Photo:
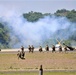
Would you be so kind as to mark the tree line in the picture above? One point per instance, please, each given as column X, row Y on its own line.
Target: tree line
column 35, row 16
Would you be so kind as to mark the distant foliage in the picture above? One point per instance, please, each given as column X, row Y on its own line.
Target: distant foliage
column 62, row 11
column 4, row 36
column 71, row 15
column 34, row 16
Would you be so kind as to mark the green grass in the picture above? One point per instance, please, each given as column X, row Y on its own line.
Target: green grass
column 60, row 73
column 37, row 73
column 26, row 73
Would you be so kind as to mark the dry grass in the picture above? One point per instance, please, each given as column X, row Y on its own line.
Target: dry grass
column 9, row 61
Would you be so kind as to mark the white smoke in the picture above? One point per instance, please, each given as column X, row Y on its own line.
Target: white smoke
column 34, row 33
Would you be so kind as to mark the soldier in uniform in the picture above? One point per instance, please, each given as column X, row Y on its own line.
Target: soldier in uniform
column 53, row 48
column 60, row 49
column 40, row 49
column 65, row 49
column 22, row 48
column 32, row 48
column 22, row 52
column 47, row 48
column 29, row 48
column 19, row 54
column 41, row 70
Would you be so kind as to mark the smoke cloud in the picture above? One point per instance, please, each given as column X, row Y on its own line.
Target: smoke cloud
column 35, row 33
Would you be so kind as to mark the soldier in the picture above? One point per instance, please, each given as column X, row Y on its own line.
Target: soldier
column 60, row 49
column 47, row 48
column 53, row 48
column 22, row 52
column 19, row 54
column 29, row 48
column 22, row 48
column 40, row 49
column 32, row 48
column 65, row 49
column 41, row 70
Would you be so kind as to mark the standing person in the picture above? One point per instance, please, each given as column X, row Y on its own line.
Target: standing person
column 40, row 49
column 32, row 48
column 65, row 49
column 41, row 70
column 22, row 48
column 47, row 48
column 22, row 52
column 53, row 48
column 60, row 49
column 29, row 48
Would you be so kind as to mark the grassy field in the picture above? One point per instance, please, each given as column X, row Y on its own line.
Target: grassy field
column 61, row 63
column 37, row 73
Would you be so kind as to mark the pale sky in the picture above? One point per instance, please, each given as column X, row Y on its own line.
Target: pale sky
column 44, row 6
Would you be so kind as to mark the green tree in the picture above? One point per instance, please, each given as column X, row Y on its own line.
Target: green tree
column 62, row 12
column 4, row 36
column 33, row 16
column 72, row 16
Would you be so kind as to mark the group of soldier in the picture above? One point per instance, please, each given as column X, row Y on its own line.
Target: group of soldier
column 31, row 48
column 46, row 48
column 60, row 48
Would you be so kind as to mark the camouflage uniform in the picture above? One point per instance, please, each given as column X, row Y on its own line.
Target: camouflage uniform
column 29, row 48
column 53, row 48
column 60, row 49
column 19, row 54
column 65, row 48
column 22, row 48
column 47, row 48
column 32, row 48
column 41, row 70
column 40, row 49
column 22, row 52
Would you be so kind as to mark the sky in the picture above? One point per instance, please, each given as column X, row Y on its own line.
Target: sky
column 44, row 6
